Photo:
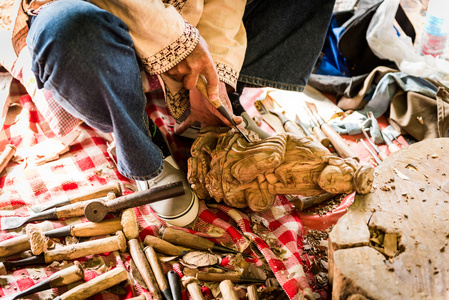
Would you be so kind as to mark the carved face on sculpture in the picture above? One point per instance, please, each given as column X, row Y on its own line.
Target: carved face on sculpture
column 336, row 180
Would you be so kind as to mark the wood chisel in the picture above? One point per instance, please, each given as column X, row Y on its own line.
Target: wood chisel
column 202, row 87
column 288, row 124
column 379, row 152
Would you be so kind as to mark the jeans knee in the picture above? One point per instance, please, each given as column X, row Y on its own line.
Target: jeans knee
column 70, row 27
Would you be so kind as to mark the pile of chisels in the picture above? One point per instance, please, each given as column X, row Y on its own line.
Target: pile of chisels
column 118, row 233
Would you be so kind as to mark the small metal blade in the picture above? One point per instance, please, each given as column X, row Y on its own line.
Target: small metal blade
column 8, row 223
column 228, row 117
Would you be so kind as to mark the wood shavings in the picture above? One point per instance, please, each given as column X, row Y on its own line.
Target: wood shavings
column 326, row 206
column 71, row 240
column 420, row 120
column 196, row 259
column 400, row 174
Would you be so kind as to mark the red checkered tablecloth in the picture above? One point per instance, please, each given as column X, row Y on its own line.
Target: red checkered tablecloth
column 87, row 164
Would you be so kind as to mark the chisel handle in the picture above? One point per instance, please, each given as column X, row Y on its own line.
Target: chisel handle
column 337, row 142
column 321, row 137
column 162, row 246
column 186, row 239
column 96, row 285
column 202, row 87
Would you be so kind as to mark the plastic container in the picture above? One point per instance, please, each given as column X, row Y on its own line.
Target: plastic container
column 435, row 34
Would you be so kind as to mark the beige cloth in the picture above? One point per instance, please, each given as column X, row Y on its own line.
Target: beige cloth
column 420, row 116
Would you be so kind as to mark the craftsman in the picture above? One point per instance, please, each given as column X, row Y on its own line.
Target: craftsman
column 90, row 53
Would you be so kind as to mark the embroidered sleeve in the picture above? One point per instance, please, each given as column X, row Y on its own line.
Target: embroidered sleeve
column 227, row 74
column 174, row 53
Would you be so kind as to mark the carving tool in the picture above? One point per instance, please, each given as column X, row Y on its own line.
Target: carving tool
column 95, row 285
column 96, row 210
column 174, row 281
column 305, row 129
column 218, row 277
column 22, row 243
column 319, row 134
column 337, row 141
column 67, row 211
column 251, row 125
column 251, row 292
column 90, row 194
column 227, row 290
column 143, row 266
column 379, row 152
column 288, row 125
column 189, row 240
column 70, row 252
column 378, row 161
column 158, row 273
column 202, row 87
column 391, row 146
column 303, row 203
column 63, row 277
column 191, row 284
column 169, row 249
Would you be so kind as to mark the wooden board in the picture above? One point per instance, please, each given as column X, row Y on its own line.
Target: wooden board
column 393, row 242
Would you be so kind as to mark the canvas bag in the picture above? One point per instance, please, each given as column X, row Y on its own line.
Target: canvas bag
column 420, row 116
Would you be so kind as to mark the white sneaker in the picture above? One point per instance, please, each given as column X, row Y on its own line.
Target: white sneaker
column 179, row 211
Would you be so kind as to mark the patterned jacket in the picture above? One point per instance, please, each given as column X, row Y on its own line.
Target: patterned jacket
column 165, row 32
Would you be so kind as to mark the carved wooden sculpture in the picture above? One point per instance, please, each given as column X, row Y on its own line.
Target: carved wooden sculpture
column 225, row 167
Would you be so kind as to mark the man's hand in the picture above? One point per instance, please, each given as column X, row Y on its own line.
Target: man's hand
column 205, row 113
column 198, row 62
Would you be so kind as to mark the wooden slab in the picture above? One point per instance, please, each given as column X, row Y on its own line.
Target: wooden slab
column 393, row 242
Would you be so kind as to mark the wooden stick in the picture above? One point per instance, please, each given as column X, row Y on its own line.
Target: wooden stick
column 252, row 293
column 162, row 246
column 129, row 224
column 6, row 156
column 67, row 275
column 191, row 284
column 157, row 270
column 22, row 243
column 142, row 265
column 109, row 244
column 227, row 290
column 211, row 276
column 96, row 285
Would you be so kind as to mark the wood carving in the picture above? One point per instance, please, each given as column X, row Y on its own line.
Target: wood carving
column 393, row 242
column 225, row 167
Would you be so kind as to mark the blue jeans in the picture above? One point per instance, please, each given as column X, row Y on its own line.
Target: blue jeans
column 284, row 41
column 85, row 56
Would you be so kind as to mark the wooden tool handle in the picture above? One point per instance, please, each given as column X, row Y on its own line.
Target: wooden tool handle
column 6, row 156
column 143, row 266
column 227, row 290
column 252, row 293
column 291, row 127
column 96, row 285
column 321, row 137
column 72, row 210
column 14, row 245
column 97, row 192
column 156, row 267
column 338, row 143
column 162, row 246
column 193, row 287
column 93, row 229
column 186, row 239
column 211, row 276
column 67, row 275
column 202, row 87
column 109, row 244
column 393, row 147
